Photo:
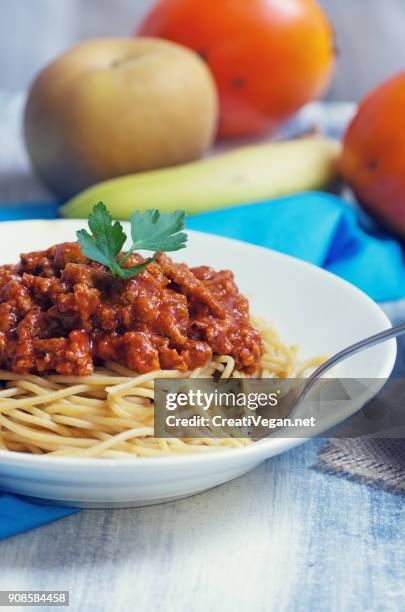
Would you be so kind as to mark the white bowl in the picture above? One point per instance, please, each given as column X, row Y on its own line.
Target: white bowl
column 309, row 306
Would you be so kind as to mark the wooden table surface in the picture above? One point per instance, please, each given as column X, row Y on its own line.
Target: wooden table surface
column 282, row 538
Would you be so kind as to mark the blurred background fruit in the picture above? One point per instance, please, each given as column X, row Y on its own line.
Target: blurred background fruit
column 373, row 160
column 245, row 174
column 268, row 57
column 110, row 107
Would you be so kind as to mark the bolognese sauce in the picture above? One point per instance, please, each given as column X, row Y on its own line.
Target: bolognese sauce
column 61, row 312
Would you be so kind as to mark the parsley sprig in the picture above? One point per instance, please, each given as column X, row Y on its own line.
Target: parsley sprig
column 150, row 230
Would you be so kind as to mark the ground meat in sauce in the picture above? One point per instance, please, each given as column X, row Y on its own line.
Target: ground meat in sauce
column 60, row 312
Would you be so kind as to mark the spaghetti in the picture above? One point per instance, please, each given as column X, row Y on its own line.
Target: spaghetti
column 110, row 413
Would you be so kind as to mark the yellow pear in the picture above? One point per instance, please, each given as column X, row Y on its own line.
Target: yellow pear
column 111, row 107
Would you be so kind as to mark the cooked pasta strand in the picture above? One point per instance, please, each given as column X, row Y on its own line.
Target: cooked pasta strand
column 111, row 413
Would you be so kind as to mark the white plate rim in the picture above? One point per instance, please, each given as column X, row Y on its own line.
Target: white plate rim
column 257, row 451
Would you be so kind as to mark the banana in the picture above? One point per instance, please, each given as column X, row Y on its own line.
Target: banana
column 246, row 174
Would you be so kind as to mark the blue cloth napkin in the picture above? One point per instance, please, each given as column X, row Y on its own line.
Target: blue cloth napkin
column 28, row 210
column 323, row 230
column 317, row 227
column 18, row 514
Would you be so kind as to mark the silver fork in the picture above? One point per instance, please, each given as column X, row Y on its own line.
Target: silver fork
column 392, row 332
column 293, row 399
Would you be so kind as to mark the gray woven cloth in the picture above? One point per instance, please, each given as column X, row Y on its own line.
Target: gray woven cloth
column 373, row 461
column 380, row 463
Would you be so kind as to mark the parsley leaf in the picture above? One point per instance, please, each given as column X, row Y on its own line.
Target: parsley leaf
column 150, row 230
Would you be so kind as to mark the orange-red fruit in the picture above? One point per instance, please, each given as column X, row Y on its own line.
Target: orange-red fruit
column 268, row 57
column 373, row 160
